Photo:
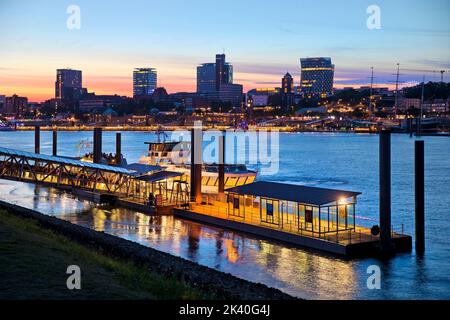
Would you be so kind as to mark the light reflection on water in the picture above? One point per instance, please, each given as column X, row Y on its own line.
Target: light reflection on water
column 295, row 271
column 344, row 161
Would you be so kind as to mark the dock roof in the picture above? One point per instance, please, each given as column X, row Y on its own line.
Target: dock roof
column 142, row 168
column 63, row 160
column 158, row 176
column 291, row 192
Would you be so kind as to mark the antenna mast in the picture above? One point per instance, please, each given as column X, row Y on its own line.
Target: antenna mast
column 371, row 88
column 396, row 88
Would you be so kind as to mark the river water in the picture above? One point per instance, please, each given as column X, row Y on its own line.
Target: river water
column 335, row 160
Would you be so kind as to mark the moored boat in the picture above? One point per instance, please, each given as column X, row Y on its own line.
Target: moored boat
column 174, row 156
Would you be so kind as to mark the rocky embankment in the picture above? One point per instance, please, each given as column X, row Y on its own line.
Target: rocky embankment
column 222, row 285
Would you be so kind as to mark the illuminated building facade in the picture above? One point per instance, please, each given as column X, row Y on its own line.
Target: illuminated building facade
column 68, row 84
column 264, row 91
column 144, row 81
column 287, row 84
column 259, row 97
column 316, row 77
column 287, row 93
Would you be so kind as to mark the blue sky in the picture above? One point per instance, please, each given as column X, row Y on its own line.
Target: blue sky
column 263, row 39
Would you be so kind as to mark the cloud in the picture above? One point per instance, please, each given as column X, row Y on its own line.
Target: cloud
column 423, row 32
column 268, row 69
column 9, row 69
column 268, row 82
column 438, row 64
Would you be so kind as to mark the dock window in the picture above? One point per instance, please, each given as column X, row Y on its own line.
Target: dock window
column 309, row 215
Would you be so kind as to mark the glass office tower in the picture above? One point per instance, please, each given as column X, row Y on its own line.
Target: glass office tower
column 210, row 76
column 316, row 77
column 206, row 77
column 68, row 83
column 144, row 81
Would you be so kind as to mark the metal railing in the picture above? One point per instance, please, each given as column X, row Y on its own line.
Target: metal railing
column 342, row 236
column 397, row 230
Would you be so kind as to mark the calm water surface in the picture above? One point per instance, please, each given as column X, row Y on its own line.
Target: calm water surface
column 346, row 161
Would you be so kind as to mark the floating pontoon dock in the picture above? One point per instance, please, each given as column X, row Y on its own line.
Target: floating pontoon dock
column 317, row 218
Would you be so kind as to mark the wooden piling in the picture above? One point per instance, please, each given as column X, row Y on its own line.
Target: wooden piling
column 37, row 139
column 118, row 159
column 420, row 195
column 385, row 190
column 55, row 143
column 97, row 145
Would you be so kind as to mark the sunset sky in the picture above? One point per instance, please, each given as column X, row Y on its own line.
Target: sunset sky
column 262, row 39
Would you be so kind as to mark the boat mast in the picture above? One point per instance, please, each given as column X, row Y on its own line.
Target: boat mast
column 371, row 88
column 421, row 107
column 396, row 88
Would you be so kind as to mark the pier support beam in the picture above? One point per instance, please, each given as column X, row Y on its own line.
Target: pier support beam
column 97, row 145
column 196, row 164
column 118, row 148
column 420, row 195
column 385, row 190
column 55, row 143
column 37, row 139
column 221, row 169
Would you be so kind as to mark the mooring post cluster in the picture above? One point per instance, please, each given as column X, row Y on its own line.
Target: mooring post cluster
column 385, row 200
column 385, row 194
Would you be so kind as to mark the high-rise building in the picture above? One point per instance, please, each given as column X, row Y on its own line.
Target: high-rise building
column 316, row 77
column 210, row 76
column 206, row 78
column 15, row 105
column 144, row 81
column 287, row 93
column 68, row 85
column 224, row 71
column 2, row 103
column 287, row 84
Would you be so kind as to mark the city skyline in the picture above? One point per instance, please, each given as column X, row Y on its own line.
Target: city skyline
column 262, row 46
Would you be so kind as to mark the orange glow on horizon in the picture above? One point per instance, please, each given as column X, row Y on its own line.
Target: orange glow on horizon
column 41, row 88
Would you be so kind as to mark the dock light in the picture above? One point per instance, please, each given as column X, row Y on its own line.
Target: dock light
column 342, row 201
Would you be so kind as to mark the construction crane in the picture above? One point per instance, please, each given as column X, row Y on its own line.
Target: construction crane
column 429, row 71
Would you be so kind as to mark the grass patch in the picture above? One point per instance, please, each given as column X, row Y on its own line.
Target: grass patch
column 34, row 260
